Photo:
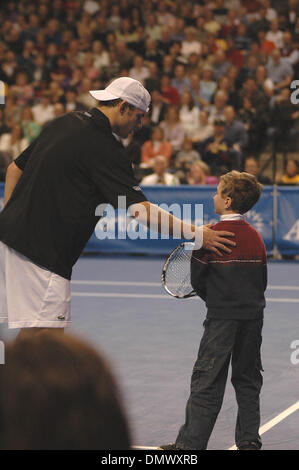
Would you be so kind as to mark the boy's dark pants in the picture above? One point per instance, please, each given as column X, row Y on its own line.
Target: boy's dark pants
column 240, row 341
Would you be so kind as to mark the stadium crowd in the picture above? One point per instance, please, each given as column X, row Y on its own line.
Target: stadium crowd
column 219, row 73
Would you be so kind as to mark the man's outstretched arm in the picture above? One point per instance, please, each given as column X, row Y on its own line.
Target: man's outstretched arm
column 152, row 216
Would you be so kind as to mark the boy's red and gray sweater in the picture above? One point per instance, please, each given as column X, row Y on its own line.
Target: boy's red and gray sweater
column 232, row 285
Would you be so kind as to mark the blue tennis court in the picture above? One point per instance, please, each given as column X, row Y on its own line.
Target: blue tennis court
column 151, row 340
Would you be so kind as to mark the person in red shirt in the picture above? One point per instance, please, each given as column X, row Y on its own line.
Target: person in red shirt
column 169, row 93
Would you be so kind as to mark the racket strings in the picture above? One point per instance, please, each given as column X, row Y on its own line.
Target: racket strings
column 178, row 274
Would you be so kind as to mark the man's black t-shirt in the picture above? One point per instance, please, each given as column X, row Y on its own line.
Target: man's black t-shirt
column 73, row 166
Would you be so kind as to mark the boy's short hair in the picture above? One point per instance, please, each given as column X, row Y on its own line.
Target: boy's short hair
column 242, row 188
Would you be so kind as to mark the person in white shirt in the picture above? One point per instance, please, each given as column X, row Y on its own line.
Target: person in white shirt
column 139, row 71
column 275, row 35
column 271, row 13
column 204, row 129
column 13, row 143
column 101, row 56
column 190, row 44
column 43, row 111
column 160, row 175
column 188, row 113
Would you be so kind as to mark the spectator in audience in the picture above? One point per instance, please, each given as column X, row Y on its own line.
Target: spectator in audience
column 188, row 113
column 151, row 54
column 279, row 71
column 14, row 143
column 57, row 392
column 266, row 46
column 9, row 67
column 158, row 108
column 101, row 56
column 173, row 129
column 40, row 72
column 217, row 109
column 252, row 167
column 220, row 65
column 291, row 175
column 215, row 149
column 195, row 91
column 204, row 130
column 12, row 112
column 185, row 158
column 261, row 23
column 160, row 175
column 263, row 82
column 283, row 116
column 233, row 55
column 169, row 93
column 153, row 28
column 22, row 90
column 125, row 32
column 190, row 44
column 289, row 50
column 275, row 35
column 123, row 55
column 70, row 100
column 168, row 65
column 157, row 145
column 207, row 85
column 165, row 41
column 255, row 126
column 242, row 40
column 43, row 111
column 236, row 137
column 152, row 82
column 180, row 81
column 200, row 174
column 59, row 110
column 139, row 71
column 211, row 26
column 84, row 98
column 257, row 96
column 31, row 129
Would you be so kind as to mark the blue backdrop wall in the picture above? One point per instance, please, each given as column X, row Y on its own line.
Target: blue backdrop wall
column 282, row 230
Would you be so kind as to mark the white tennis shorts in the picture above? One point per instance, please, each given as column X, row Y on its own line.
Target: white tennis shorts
column 31, row 296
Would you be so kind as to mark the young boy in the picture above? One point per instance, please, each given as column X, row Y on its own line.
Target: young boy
column 233, row 288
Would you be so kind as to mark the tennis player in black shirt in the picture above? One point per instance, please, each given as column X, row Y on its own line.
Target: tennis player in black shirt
column 51, row 194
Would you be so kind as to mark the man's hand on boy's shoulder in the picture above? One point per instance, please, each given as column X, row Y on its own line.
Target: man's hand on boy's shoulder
column 216, row 240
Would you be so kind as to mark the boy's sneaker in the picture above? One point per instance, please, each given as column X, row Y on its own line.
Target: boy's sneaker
column 170, row 446
column 250, row 446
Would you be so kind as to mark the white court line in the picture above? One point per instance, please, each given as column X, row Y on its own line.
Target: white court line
column 117, row 283
column 283, row 287
column 120, row 296
column 155, row 296
column 155, row 284
column 284, row 414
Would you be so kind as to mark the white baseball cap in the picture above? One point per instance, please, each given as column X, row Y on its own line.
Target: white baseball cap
column 127, row 89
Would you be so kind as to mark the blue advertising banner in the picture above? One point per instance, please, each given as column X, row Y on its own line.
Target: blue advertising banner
column 287, row 231
column 184, row 201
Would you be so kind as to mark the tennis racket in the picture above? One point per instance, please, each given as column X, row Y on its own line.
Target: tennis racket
column 176, row 272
